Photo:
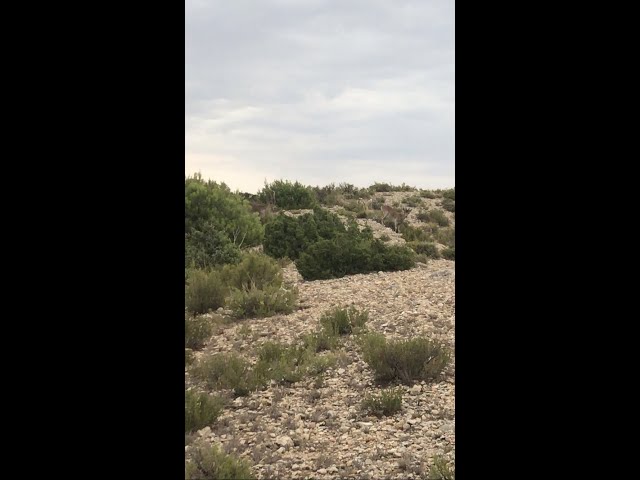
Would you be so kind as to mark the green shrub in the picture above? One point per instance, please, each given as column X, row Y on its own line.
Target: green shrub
column 380, row 187
column 448, row 204
column 446, row 236
column 440, row 470
column 287, row 195
column 326, row 258
column 413, row 200
column 289, row 237
column 212, row 205
column 425, row 248
column 414, row 234
column 391, row 258
column 285, row 237
column 404, row 360
column 200, row 410
column 320, row 341
column 384, row 237
column 209, row 247
column 342, row 321
column 449, row 253
column 204, row 291
column 385, row 404
column 209, row 463
column 427, row 194
column 281, row 363
column 327, row 195
column 253, row 302
column 352, row 253
column 255, row 270
column 225, row 371
column 197, row 330
column 449, row 194
column 317, row 364
column 423, row 216
column 433, row 216
column 386, row 187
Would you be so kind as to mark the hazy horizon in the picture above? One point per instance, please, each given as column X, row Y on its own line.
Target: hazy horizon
column 320, row 92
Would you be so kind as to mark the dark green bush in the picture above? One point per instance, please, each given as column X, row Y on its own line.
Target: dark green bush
column 404, row 360
column 414, row 234
column 384, row 237
column 449, row 253
column 351, row 253
column 287, row 195
column 200, row 410
column 197, row 330
column 391, row 258
column 285, row 237
column 209, row 463
column 209, row 247
column 342, row 321
column 449, row 194
column 208, row 203
column 387, row 403
column 425, row 248
column 427, row 194
column 386, row 187
column 288, row 237
column 204, row 291
column 448, row 204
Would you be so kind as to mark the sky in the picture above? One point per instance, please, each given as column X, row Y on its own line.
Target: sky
column 320, row 91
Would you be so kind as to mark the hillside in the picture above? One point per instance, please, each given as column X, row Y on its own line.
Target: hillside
column 309, row 419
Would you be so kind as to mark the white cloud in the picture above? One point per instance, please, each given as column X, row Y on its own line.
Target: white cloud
column 320, row 91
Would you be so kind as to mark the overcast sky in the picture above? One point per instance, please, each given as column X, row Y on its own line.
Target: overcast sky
column 320, row 91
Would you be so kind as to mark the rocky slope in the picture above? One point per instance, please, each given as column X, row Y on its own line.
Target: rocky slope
column 316, row 429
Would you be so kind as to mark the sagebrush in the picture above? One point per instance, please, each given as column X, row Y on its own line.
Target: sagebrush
column 209, row 463
column 406, row 361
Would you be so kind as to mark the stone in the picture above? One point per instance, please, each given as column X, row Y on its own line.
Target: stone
column 284, row 441
column 447, row 427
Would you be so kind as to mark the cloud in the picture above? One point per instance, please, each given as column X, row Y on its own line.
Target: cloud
column 320, row 91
